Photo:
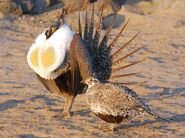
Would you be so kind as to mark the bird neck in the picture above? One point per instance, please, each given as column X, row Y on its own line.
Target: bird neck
column 90, row 87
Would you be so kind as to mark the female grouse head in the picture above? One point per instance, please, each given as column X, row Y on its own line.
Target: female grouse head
column 91, row 82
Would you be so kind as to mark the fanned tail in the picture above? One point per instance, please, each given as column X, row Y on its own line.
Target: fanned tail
column 103, row 60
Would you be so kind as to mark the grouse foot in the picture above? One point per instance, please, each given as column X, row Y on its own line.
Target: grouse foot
column 64, row 115
column 108, row 128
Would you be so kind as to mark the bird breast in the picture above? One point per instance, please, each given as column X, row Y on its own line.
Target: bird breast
column 94, row 99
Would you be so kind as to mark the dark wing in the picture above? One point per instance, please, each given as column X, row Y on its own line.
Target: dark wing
column 82, row 57
column 42, row 81
column 51, row 85
column 75, row 72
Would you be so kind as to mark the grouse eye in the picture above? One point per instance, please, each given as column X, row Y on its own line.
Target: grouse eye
column 48, row 33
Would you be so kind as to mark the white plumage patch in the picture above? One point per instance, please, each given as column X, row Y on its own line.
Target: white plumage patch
column 46, row 55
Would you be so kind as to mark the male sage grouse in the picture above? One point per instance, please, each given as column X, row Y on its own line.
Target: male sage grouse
column 115, row 103
column 53, row 57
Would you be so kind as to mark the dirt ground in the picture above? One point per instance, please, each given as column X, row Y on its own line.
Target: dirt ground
column 27, row 110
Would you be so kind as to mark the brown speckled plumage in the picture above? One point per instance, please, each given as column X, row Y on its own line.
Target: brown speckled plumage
column 115, row 103
column 115, row 100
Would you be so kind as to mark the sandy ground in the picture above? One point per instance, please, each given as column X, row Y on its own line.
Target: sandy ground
column 26, row 110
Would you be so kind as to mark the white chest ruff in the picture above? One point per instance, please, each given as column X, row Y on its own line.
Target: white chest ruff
column 47, row 55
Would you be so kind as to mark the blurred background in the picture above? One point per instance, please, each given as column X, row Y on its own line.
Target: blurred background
column 40, row 6
column 27, row 110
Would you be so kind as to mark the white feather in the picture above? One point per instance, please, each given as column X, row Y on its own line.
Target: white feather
column 41, row 38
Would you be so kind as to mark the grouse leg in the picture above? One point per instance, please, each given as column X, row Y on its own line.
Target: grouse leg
column 110, row 128
column 67, row 106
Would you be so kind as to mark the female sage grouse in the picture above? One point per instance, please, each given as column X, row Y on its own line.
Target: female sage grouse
column 114, row 103
column 53, row 57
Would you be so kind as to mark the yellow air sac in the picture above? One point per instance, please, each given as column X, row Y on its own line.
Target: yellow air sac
column 34, row 57
column 48, row 57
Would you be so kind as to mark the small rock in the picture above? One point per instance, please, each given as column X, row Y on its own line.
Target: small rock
column 26, row 5
column 41, row 22
column 180, row 23
column 34, row 6
column 39, row 6
column 50, row 2
column 23, row 17
column 32, row 18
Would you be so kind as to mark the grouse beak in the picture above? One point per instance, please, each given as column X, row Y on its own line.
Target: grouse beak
column 51, row 30
column 82, row 81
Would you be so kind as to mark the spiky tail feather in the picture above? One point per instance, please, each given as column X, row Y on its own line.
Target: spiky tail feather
column 126, row 56
column 112, row 44
column 126, row 66
column 116, row 53
column 124, row 75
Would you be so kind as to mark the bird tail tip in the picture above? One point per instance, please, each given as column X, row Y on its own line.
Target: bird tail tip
column 160, row 118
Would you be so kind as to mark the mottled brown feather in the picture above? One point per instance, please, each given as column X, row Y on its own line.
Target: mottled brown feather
column 83, row 57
